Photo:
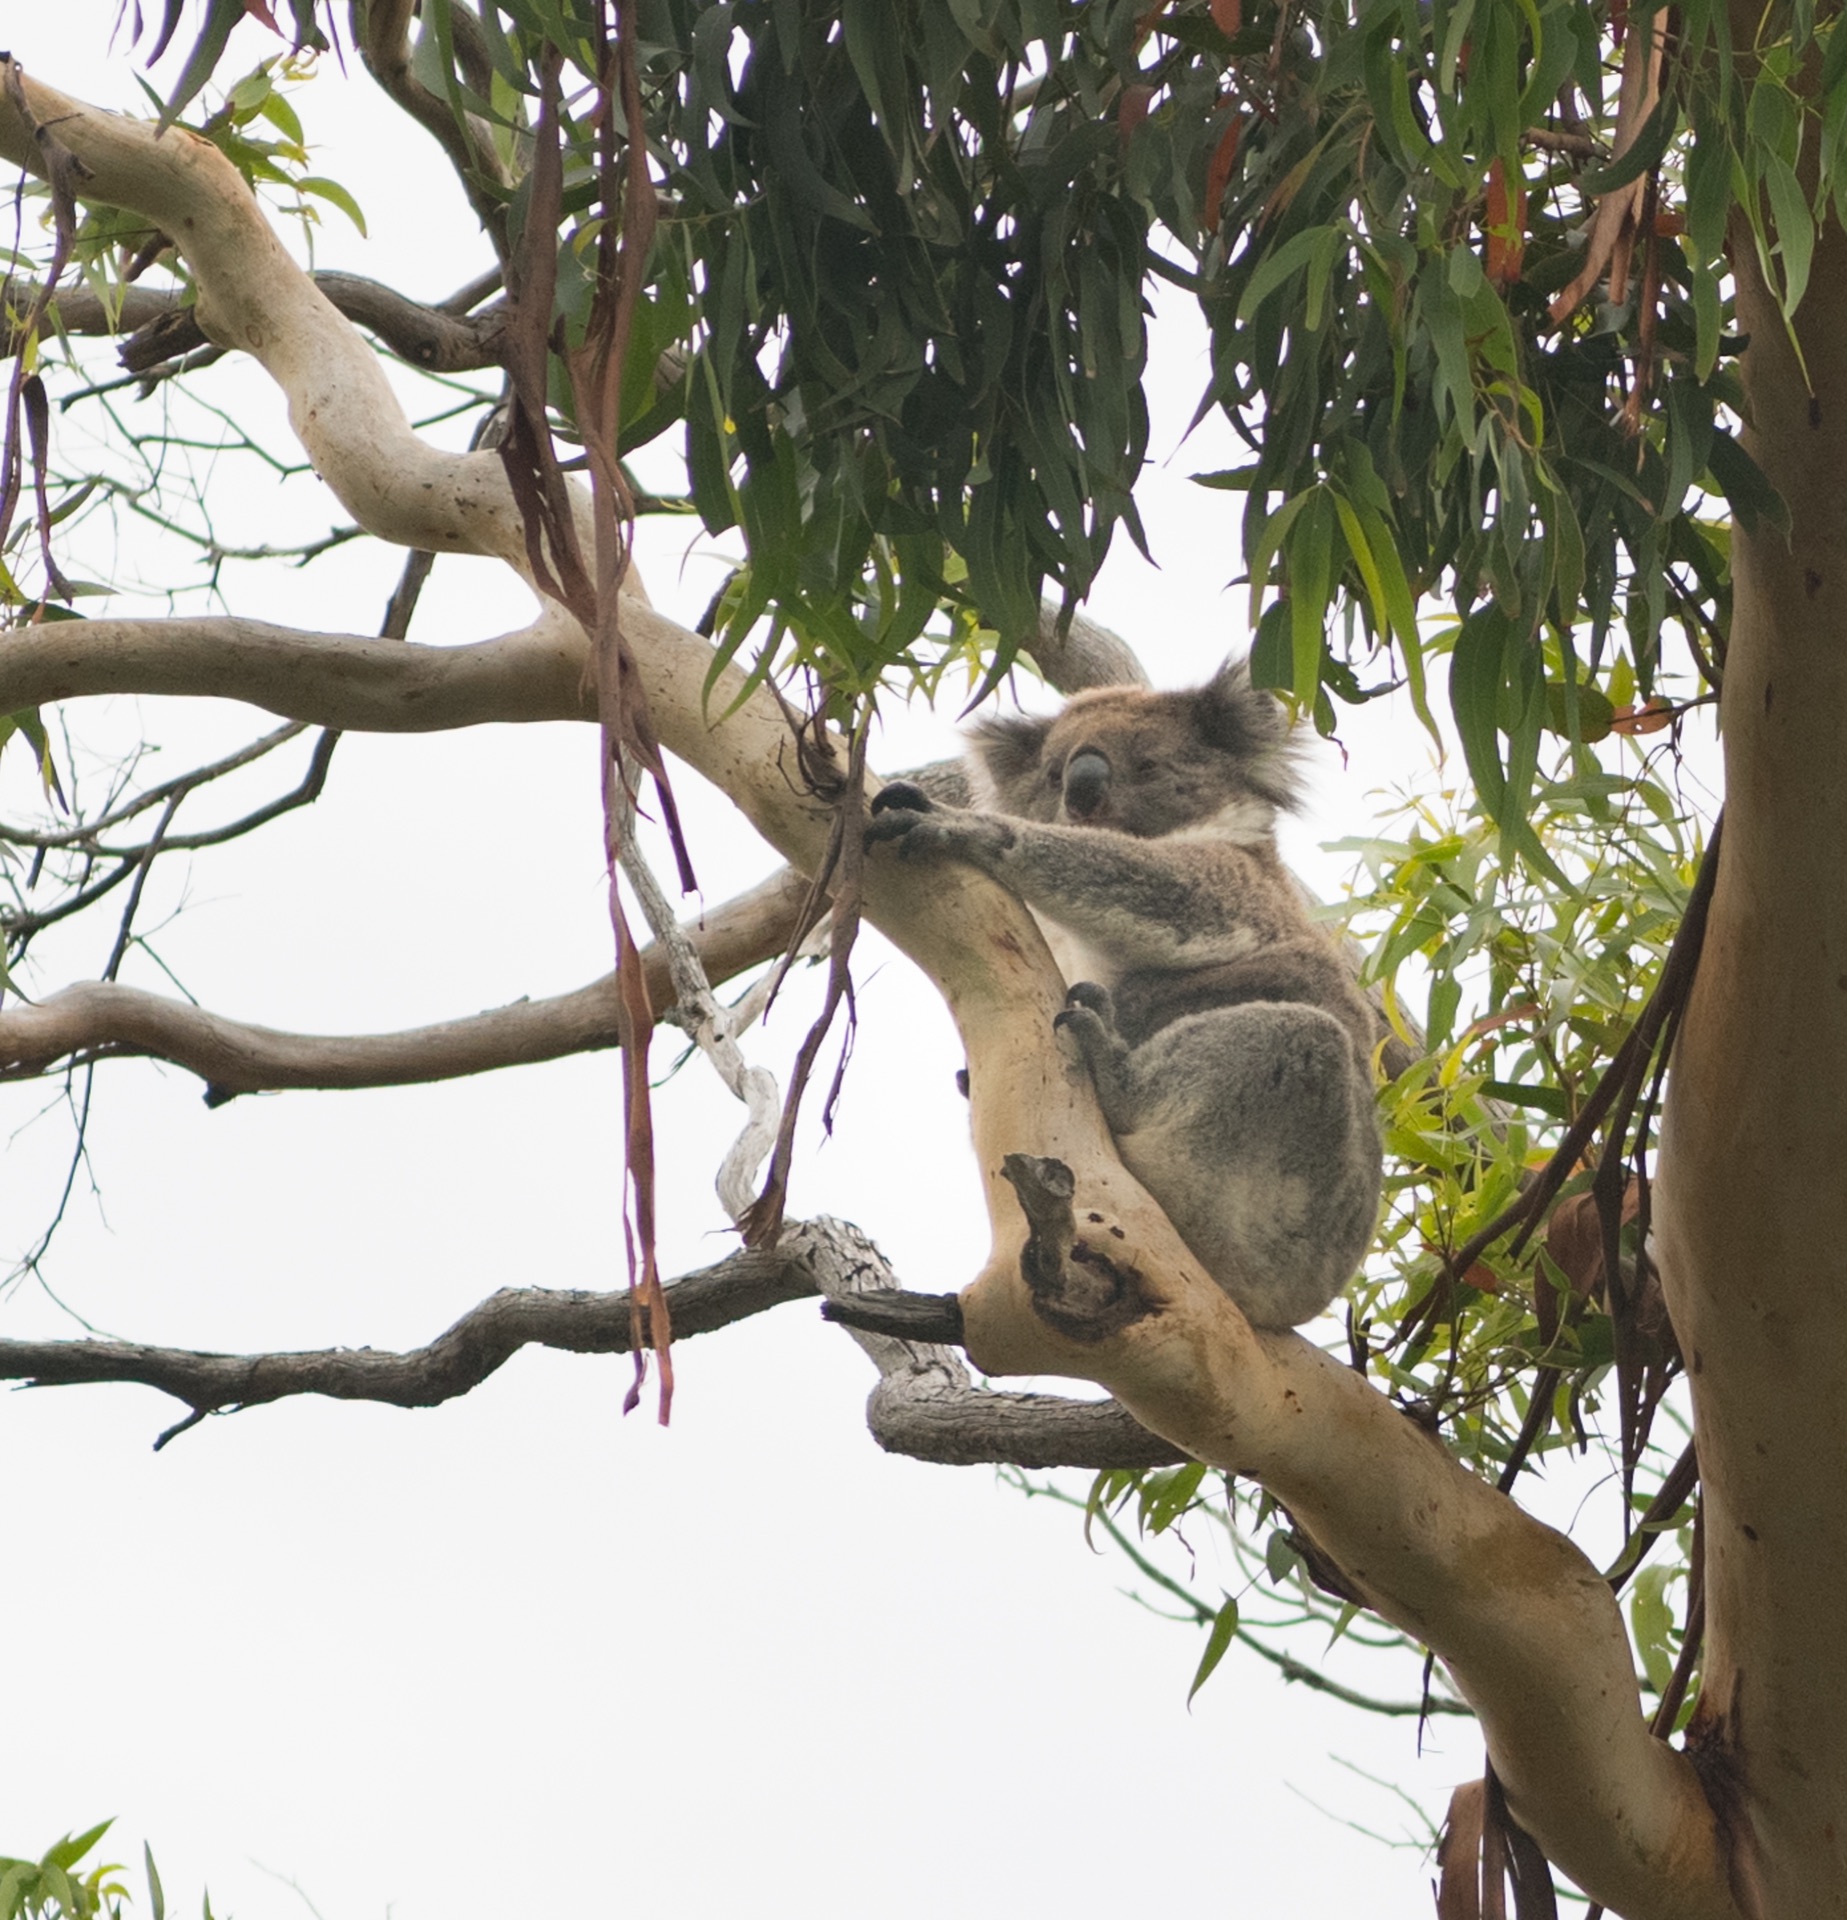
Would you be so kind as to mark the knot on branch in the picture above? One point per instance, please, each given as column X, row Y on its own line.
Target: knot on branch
column 1078, row 1288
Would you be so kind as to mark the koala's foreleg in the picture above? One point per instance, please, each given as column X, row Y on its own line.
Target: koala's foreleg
column 1150, row 903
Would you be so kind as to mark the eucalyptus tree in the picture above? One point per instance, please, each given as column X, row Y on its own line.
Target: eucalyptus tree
column 1517, row 310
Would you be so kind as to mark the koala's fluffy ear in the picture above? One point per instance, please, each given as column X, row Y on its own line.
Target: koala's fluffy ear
column 1248, row 723
column 1007, row 748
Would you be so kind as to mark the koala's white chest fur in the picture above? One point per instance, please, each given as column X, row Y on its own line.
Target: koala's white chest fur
column 1078, row 959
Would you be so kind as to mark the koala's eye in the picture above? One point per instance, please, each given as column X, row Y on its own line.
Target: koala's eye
column 1146, row 767
column 1055, row 775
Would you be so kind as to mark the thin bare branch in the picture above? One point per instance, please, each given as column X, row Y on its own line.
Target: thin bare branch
column 85, row 833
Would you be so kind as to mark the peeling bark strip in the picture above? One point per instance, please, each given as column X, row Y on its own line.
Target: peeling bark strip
column 25, row 397
column 1525, row 1624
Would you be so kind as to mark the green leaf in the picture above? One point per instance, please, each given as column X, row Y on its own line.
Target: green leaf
column 1311, row 582
column 1753, row 499
column 1280, row 1558
column 1224, row 1630
column 1275, row 531
column 1653, row 1621
column 337, row 195
column 1313, row 251
column 1642, row 154
column 220, row 17
column 1168, row 1494
column 69, row 1851
column 1476, row 675
column 1795, row 229
column 1584, row 713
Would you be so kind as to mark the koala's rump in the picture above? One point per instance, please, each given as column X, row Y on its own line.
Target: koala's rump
column 1252, row 1128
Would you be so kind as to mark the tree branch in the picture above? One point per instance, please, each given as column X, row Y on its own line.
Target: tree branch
column 355, row 683
column 98, row 1019
column 382, row 31
column 161, row 325
column 747, row 1283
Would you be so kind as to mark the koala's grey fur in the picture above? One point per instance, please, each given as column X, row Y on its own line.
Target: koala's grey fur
column 1230, row 1047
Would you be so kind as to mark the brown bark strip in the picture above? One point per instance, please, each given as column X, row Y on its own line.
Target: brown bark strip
column 842, row 869
column 546, row 514
column 25, row 402
column 1610, row 244
column 628, row 734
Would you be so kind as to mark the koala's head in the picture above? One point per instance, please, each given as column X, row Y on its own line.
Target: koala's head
column 1217, row 757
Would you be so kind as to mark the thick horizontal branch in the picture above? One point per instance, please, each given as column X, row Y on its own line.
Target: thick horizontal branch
column 353, row 682
column 359, row 683
column 925, row 1406
column 933, row 1413
column 100, row 1019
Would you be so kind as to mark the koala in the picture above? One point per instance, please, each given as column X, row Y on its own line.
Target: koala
column 1229, row 1046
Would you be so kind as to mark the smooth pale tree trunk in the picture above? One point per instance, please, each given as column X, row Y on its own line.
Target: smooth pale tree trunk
column 1751, row 1213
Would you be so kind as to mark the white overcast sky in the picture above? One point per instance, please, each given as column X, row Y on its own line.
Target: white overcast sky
column 519, row 1654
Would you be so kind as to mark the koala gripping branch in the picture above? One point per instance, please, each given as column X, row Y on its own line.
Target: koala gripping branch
column 1086, row 1279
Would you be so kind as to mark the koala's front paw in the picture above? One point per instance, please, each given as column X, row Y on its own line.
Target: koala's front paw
column 899, row 810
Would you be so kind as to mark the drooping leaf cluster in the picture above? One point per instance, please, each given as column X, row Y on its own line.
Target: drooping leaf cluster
column 1463, row 262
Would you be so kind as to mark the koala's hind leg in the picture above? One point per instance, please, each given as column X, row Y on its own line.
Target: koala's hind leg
column 1253, row 1127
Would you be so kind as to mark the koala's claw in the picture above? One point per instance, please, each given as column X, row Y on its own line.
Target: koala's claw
column 1088, row 994
column 901, row 793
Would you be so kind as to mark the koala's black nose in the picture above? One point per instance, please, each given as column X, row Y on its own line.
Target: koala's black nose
column 1087, row 776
